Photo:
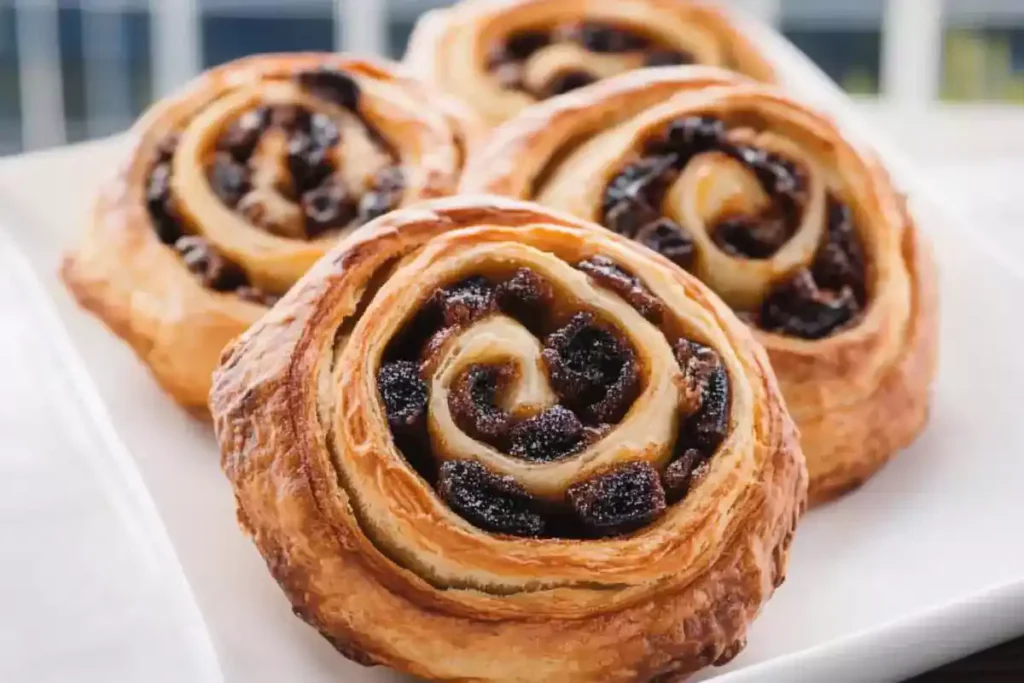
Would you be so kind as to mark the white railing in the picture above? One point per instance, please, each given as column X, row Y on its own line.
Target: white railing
column 912, row 34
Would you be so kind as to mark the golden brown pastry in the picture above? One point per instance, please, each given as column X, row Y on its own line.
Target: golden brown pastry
column 501, row 56
column 237, row 184
column 764, row 200
column 483, row 441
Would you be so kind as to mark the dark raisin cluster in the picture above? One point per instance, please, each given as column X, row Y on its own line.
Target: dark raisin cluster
column 706, row 395
column 800, row 308
column 331, row 85
column 312, row 182
column 595, row 375
column 508, row 58
column 492, row 502
column 818, row 301
column 812, row 303
column 212, row 268
column 620, row 500
column 309, row 180
column 592, row 368
column 631, row 207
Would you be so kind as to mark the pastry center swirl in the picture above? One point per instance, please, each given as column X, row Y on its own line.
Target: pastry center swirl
column 514, row 366
column 544, row 62
column 744, row 212
column 288, row 169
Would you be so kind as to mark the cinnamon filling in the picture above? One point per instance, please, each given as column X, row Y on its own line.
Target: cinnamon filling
column 293, row 172
column 813, row 302
column 595, row 376
column 544, row 62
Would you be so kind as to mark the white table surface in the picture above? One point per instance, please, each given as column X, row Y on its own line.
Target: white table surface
column 90, row 588
column 79, row 592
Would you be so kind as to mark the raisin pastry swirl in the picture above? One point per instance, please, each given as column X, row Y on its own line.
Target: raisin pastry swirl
column 795, row 227
column 484, row 441
column 501, row 56
column 236, row 185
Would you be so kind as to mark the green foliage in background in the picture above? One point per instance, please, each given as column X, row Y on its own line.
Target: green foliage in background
column 860, row 81
column 979, row 66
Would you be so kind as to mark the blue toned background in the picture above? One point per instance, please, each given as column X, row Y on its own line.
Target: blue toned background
column 76, row 69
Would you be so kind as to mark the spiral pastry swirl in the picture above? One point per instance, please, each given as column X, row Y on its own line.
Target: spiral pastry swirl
column 501, row 56
column 479, row 430
column 233, row 187
column 800, row 231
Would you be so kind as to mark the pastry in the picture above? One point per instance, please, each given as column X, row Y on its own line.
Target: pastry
column 237, row 184
column 501, row 56
column 485, row 441
column 795, row 226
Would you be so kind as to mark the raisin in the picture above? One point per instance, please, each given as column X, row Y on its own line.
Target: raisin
column 679, row 476
column 602, row 38
column 160, row 204
column 695, row 134
column 473, row 403
column 328, row 207
column 229, row 179
column 667, row 58
column 592, row 369
column 404, row 394
column 524, row 295
column 776, row 175
column 411, row 339
column 698, row 363
column 609, row 274
column 752, row 237
column 630, row 216
column 241, row 138
column 465, row 301
column 385, row 194
column 805, row 311
column 307, row 162
column 705, row 396
column 549, row 435
column 840, row 260
column 331, row 85
column 567, row 81
column 640, row 181
column 799, row 308
column 670, row 240
column 619, row 501
column 711, row 425
column 493, row 503
column 212, row 269
column 521, row 46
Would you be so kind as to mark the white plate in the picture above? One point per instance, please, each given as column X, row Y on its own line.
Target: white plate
column 921, row 565
column 91, row 589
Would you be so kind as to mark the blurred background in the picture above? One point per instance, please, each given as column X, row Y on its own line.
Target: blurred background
column 72, row 70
